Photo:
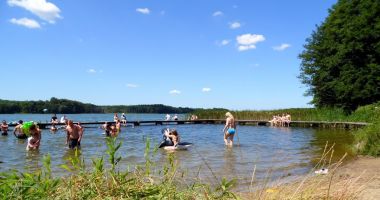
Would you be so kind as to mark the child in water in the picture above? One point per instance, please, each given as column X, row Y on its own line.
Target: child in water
column 174, row 136
column 35, row 138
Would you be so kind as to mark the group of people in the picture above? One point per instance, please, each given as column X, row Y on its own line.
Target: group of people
column 31, row 132
column 229, row 131
column 168, row 117
column 112, row 129
column 122, row 120
column 283, row 120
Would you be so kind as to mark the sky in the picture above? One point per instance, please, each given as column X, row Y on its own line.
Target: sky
column 234, row 54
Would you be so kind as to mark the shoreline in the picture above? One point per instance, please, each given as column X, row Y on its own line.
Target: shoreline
column 358, row 178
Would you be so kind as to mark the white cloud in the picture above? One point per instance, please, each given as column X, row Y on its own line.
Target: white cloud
column 222, row 43
column 131, row 85
column 45, row 10
column 206, row 89
column 235, row 25
column 217, row 13
column 246, row 47
column 29, row 23
column 248, row 41
column 145, row 11
column 91, row 71
column 281, row 47
column 174, row 92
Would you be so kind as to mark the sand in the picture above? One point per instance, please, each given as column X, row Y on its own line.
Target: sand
column 354, row 179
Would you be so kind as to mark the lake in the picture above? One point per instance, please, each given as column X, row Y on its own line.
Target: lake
column 285, row 151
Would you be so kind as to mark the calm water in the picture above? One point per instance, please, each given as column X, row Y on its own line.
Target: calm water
column 286, row 151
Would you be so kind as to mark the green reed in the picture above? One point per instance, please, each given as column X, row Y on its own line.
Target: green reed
column 367, row 113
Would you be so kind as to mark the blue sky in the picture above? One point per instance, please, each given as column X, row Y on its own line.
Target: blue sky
column 199, row 53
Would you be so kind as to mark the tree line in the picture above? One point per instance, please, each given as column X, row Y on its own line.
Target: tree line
column 65, row 106
column 341, row 60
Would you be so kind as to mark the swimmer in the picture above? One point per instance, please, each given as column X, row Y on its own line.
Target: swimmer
column 17, row 131
column 4, row 128
column 229, row 129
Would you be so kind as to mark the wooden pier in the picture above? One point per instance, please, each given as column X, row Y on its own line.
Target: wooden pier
column 314, row 124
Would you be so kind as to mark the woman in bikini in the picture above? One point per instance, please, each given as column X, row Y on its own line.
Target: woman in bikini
column 229, row 129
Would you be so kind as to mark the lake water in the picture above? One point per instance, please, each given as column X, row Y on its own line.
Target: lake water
column 284, row 151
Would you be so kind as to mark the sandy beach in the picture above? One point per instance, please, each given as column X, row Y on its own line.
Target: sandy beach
column 354, row 179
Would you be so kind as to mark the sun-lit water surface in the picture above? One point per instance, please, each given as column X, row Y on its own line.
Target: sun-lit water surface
column 285, row 151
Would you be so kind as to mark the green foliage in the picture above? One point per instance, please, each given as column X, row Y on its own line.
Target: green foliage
column 54, row 106
column 65, row 106
column 341, row 60
column 113, row 147
column 368, row 140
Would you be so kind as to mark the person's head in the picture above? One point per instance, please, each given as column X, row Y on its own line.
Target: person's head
column 228, row 114
column 33, row 127
column 20, row 122
column 174, row 132
column 70, row 122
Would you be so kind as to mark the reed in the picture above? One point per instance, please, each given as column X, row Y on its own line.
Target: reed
column 367, row 113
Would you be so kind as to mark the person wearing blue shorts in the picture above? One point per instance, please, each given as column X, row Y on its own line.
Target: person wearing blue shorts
column 229, row 129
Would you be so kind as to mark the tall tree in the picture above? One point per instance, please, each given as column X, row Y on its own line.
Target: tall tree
column 341, row 60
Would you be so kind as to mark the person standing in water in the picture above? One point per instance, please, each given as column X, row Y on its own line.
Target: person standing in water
column 4, row 128
column 73, row 134
column 34, row 140
column 229, row 129
column 17, row 131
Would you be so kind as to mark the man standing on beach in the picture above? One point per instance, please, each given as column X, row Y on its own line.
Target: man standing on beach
column 74, row 133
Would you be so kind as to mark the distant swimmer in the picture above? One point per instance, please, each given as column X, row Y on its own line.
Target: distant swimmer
column 54, row 121
column 107, row 128
column 34, row 140
column 4, row 128
column 17, row 131
column 229, row 129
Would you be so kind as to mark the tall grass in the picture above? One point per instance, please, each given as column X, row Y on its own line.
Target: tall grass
column 367, row 113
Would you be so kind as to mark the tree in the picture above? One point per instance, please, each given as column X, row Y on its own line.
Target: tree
column 341, row 61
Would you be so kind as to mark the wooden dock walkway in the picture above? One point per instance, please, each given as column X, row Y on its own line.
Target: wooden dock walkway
column 323, row 124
